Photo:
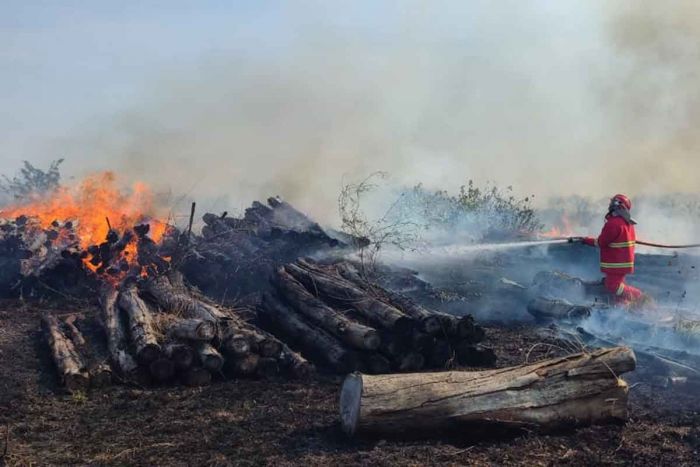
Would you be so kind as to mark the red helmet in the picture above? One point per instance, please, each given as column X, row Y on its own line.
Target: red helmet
column 621, row 200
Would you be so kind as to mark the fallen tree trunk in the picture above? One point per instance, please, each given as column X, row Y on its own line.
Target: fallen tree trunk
column 71, row 368
column 140, row 325
column 349, row 332
column 344, row 294
column 116, row 337
column 578, row 389
column 315, row 341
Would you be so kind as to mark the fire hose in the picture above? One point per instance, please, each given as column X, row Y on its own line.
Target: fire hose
column 641, row 242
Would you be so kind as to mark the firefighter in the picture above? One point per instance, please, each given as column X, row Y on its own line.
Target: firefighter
column 616, row 243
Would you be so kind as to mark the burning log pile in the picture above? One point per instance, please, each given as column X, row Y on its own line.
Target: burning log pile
column 154, row 328
column 344, row 323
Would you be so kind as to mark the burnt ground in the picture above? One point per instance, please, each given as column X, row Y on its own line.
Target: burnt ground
column 249, row 422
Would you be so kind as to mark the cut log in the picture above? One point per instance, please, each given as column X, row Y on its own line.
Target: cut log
column 475, row 355
column 316, row 342
column 267, row 367
column 441, row 355
column 294, row 364
column 193, row 329
column 116, row 336
column 162, row 369
column 210, row 357
column 575, row 390
column 545, row 309
column 182, row 355
column 71, row 368
column 376, row 364
column 428, row 322
column 245, row 364
column 178, row 303
column 99, row 372
column 344, row 294
column 353, row 334
column 140, row 325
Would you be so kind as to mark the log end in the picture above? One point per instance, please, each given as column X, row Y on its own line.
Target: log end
column 162, row 369
column 76, row 382
column 206, row 330
column 371, row 340
column 404, row 326
column 350, row 403
column 100, row 376
column 149, row 353
column 270, row 348
column 213, row 362
column 431, row 325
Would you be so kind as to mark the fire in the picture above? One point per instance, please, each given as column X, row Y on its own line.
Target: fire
column 90, row 209
column 563, row 230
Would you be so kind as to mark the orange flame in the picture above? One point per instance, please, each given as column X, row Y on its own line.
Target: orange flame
column 89, row 205
column 563, row 230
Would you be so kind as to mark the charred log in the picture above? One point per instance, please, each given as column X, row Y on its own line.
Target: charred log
column 347, row 331
column 315, row 341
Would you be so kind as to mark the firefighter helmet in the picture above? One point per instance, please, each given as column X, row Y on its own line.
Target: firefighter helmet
column 621, row 201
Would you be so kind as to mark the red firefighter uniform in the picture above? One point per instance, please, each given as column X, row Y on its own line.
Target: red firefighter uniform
column 616, row 243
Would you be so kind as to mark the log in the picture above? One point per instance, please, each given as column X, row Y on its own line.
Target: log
column 210, row 357
column 267, row 367
column 100, row 373
column 140, row 325
column 353, row 334
column 193, row 329
column 162, row 369
column 376, row 364
column 428, row 322
column 180, row 304
column 546, row 309
column 71, row 368
column 441, row 355
column 316, row 342
column 182, row 355
column 246, row 364
column 294, row 364
column 575, row 390
column 116, row 336
column 475, row 355
column 345, row 294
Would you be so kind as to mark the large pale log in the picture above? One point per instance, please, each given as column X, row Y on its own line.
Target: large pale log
column 575, row 390
column 71, row 368
column 140, row 325
column 351, row 333
column 345, row 294
column 318, row 344
column 117, row 342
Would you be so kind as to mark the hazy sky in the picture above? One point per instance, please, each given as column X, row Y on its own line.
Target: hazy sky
column 247, row 99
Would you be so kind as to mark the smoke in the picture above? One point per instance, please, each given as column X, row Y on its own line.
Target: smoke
column 554, row 98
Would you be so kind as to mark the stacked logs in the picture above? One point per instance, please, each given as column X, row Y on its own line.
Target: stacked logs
column 345, row 324
column 168, row 333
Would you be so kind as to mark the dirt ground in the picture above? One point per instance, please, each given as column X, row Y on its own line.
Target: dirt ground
column 249, row 422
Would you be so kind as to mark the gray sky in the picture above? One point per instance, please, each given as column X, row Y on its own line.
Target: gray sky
column 238, row 100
